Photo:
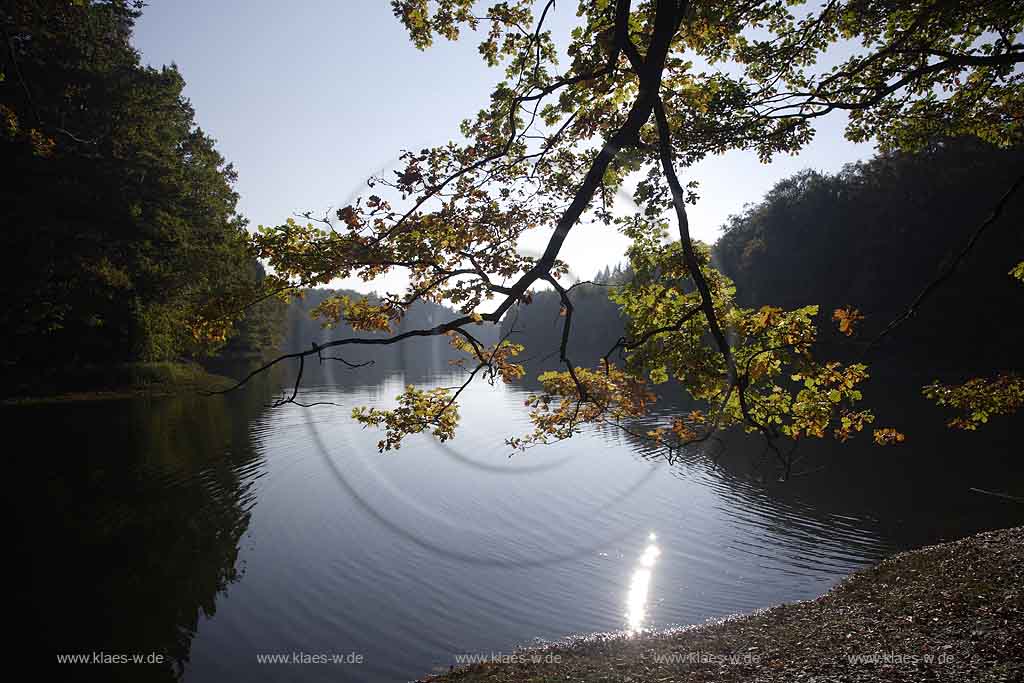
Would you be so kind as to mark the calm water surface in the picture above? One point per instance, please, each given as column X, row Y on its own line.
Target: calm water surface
column 216, row 530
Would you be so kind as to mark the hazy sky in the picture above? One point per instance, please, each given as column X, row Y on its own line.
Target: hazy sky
column 308, row 98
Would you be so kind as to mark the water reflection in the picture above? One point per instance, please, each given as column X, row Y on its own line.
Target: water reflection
column 639, row 586
column 132, row 523
column 411, row 556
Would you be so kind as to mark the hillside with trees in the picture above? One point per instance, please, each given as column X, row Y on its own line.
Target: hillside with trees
column 538, row 325
column 874, row 235
column 303, row 326
column 870, row 237
column 120, row 220
column 230, row 466
column 631, row 103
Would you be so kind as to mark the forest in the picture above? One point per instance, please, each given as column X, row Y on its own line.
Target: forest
column 131, row 248
column 280, row 411
column 874, row 235
column 870, row 237
column 120, row 217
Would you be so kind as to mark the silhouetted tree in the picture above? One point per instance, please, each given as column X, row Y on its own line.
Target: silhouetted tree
column 119, row 214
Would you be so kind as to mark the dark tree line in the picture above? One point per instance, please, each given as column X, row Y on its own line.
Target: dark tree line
column 870, row 236
column 304, row 327
column 538, row 325
column 120, row 221
column 875, row 234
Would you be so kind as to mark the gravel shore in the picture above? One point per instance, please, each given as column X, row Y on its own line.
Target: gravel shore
column 951, row 612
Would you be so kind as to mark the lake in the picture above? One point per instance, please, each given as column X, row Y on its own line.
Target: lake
column 218, row 532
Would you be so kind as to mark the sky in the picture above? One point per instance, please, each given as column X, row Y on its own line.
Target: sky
column 309, row 98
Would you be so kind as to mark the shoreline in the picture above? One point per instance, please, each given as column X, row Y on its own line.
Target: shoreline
column 122, row 381
column 948, row 612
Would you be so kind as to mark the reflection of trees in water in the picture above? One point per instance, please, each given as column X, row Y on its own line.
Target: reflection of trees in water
column 912, row 495
column 916, row 494
column 137, row 512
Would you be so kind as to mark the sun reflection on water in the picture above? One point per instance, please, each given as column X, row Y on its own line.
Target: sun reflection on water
column 639, row 584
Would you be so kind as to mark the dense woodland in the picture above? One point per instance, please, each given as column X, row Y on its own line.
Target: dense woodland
column 304, row 327
column 120, row 221
column 875, row 234
column 871, row 236
column 129, row 245
column 538, row 326
column 126, row 253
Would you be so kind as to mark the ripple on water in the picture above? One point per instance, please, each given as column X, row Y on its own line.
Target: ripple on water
column 437, row 549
